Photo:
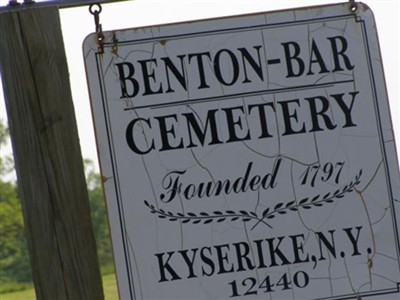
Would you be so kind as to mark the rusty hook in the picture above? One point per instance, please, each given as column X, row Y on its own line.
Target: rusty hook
column 99, row 29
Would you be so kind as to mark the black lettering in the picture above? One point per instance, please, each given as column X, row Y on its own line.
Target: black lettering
column 274, row 250
column 165, row 266
column 269, row 180
column 242, row 256
column 130, row 139
column 298, row 249
column 263, row 118
column 232, row 124
column 165, row 132
column 257, row 67
column 318, row 59
column 336, row 52
column 353, row 240
column 179, row 75
column 233, row 62
column 149, row 75
column 330, row 245
column 189, row 261
column 123, row 78
column 312, row 102
column 346, row 109
column 201, row 135
column 260, row 254
column 208, row 261
column 290, row 57
column 222, row 258
column 200, row 65
column 243, row 180
column 173, row 186
column 287, row 117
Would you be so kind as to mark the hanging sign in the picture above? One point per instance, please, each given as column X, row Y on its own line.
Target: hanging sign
column 249, row 157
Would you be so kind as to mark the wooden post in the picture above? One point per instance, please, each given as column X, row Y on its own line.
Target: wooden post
column 47, row 156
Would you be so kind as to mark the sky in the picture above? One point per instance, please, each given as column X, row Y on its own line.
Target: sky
column 77, row 23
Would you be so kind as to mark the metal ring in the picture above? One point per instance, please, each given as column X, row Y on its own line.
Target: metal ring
column 353, row 6
column 94, row 11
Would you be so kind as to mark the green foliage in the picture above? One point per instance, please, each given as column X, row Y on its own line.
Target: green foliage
column 6, row 162
column 109, row 286
column 12, row 287
column 15, row 269
column 99, row 217
column 14, row 259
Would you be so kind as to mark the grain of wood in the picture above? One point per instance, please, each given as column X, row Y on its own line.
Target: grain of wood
column 47, row 155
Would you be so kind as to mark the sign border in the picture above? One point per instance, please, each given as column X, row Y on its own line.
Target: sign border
column 114, row 166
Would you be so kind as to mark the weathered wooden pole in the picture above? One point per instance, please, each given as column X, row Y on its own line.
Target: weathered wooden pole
column 47, row 156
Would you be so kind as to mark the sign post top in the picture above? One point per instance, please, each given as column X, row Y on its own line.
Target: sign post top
column 15, row 5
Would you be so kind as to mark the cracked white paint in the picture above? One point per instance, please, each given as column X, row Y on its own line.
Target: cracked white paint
column 324, row 222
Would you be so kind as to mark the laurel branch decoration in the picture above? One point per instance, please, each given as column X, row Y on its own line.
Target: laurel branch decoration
column 246, row 216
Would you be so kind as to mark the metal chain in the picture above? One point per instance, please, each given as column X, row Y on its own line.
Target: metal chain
column 95, row 10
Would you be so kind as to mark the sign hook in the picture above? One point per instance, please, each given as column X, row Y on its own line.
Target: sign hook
column 95, row 10
column 353, row 6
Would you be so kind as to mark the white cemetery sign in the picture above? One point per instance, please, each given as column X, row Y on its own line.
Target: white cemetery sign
column 250, row 156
